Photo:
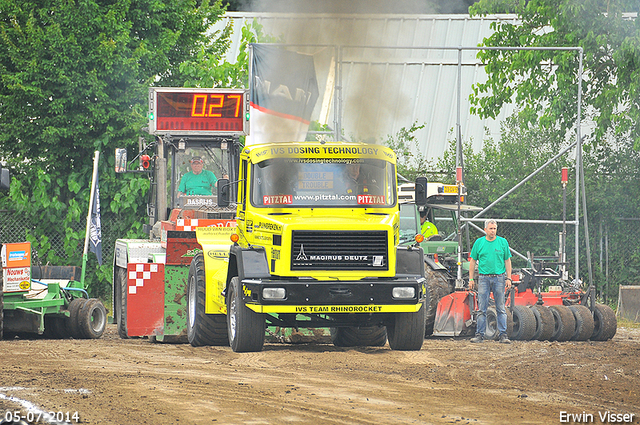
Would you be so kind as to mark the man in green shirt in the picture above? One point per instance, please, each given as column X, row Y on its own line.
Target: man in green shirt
column 197, row 181
column 492, row 256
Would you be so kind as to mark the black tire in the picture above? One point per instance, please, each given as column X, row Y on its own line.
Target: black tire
column 491, row 331
column 545, row 322
column 202, row 328
column 584, row 322
column 246, row 328
column 524, row 323
column 120, row 301
column 73, row 322
column 60, row 328
column 353, row 336
column 605, row 323
column 406, row 330
column 92, row 319
column 565, row 323
column 437, row 287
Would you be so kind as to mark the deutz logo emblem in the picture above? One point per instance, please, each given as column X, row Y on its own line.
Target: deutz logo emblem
column 301, row 255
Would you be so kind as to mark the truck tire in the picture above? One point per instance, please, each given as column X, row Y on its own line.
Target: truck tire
column 92, row 319
column 202, row 328
column 524, row 323
column 565, row 323
column 246, row 328
column 545, row 322
column 120, row 301
column 437, row 287
column 605, row 323
column 406, row 330
column 73, row 322
column 584, row 322
column 353, row 336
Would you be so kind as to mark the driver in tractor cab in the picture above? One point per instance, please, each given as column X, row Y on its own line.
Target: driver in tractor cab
column 197, row 181
column 428, row 229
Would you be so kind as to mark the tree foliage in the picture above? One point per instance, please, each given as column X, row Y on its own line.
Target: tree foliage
column 74, row 78
column 544, row 83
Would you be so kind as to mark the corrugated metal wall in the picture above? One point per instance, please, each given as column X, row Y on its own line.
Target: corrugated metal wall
column 385, row 89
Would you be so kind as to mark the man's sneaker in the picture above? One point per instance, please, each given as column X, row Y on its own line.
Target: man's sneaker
column 504, row 339
column 477, row 338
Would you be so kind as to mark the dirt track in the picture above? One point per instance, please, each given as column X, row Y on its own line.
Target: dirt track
column 114, row 381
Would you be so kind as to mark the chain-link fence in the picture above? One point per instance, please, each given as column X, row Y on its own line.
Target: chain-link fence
column 14, row 227
column 615, row 251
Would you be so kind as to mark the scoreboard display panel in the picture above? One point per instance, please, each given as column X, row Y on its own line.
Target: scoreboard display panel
column 194, row 111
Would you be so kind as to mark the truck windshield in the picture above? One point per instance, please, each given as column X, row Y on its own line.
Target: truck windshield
column 197, row 170
column 302, row 182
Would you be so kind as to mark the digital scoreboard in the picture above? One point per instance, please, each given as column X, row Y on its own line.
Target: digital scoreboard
column 190, row 111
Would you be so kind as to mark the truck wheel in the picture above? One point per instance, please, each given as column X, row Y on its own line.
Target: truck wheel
column 353, row 336
column 524, row 323
column 437, row 287
column 73, row 322
column 605, row 323
column 406, row 330
column 565, row 324
column 544, row 322
column 92, row 319
column 584, row 322
column 120, row 301
column 246, row 328
column 202, row 328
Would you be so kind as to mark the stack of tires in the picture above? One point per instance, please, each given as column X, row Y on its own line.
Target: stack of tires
column 555, row 323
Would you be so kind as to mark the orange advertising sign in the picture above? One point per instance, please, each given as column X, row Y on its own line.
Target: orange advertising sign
column 16, row 266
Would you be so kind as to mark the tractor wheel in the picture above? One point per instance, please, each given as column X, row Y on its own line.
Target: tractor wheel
column 545, row 322
column 565, row 323
column 524, row 323
column 202, row 328
column 120, row 301
column 406, row 330
column 246, row 327
column 73, row 322
column 353, row 336
column 491, row 332
column 605, row 323
column 92, row 319
column 437, row 287
column 584, row 322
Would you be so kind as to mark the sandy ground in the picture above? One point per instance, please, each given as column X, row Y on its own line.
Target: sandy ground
column 115, row 381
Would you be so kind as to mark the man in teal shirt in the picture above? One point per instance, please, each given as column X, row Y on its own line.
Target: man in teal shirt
column 197, row 181
column 492, row 256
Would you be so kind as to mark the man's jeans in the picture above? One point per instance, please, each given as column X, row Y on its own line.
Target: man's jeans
column 495, row 284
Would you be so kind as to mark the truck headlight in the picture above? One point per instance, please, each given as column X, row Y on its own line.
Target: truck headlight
column 273, row 293
column 403, row 292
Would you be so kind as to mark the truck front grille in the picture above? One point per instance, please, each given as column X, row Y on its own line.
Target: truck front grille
column 339, row 250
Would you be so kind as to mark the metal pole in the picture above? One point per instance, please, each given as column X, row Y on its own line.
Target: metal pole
column 96, row 158
column 578, row 168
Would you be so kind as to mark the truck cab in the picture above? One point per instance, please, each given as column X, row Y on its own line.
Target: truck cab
column 316, row 246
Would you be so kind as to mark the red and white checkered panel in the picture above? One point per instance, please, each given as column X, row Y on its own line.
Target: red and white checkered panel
column 145, row 299
column 190, row 224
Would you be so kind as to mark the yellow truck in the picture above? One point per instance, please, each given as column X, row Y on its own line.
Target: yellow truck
column 316, row 246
